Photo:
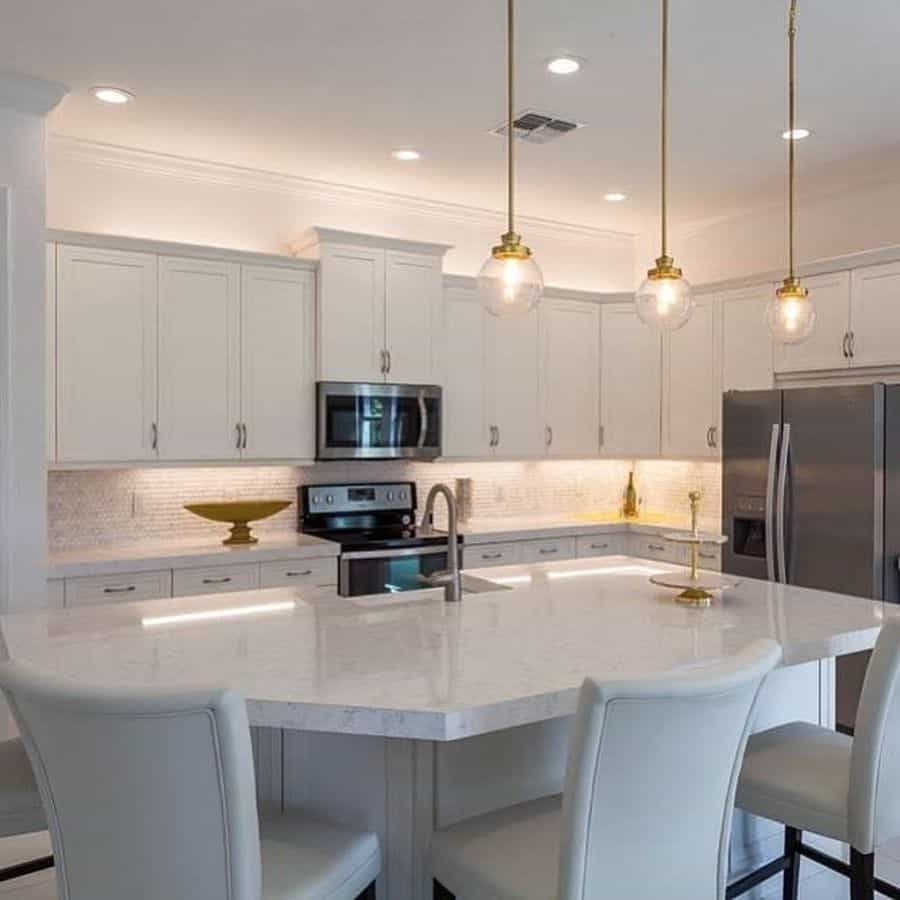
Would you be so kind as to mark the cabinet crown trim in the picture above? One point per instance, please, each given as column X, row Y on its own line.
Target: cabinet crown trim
column 310, row 242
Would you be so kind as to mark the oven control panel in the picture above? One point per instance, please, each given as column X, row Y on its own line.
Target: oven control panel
column 359, row 498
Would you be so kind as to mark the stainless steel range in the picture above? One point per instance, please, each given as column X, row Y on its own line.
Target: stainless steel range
column 382, row 549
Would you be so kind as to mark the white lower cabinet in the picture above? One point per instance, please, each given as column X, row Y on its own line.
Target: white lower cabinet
column 215, row 580
column 93, row 589
column 56, row 593
column 599, row 545
column 647, row 546
column 480, row 556
column 548, row 550
column 308, row 573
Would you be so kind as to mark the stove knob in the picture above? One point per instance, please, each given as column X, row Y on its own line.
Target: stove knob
column 329, row 499
column 406, row 520
column 316, row 499
column 402, row 495
column 390, row 496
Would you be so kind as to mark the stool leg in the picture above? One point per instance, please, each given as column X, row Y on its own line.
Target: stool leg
column 792, row 838
column 862, row 875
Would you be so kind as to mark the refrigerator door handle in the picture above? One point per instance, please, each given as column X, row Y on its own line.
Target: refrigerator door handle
column 770, row 503
column 782, row 490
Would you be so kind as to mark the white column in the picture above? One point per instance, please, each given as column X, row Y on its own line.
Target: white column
column 24, row 105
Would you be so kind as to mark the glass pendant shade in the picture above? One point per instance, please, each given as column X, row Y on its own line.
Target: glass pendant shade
column 791, row 315
column 510, row 286
column 665, row 304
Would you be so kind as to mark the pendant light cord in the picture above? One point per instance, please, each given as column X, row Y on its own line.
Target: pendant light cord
column 792, row 40
column 664, row 120
column 510, row 101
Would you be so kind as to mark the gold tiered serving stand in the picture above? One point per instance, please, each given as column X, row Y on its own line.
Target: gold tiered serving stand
column 697, row 585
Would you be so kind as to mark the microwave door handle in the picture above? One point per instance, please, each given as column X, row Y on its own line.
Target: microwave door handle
column 423, row 420
column 782, row 491
column 770, row 502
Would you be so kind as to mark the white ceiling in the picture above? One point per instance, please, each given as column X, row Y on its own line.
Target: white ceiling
column 327, row 89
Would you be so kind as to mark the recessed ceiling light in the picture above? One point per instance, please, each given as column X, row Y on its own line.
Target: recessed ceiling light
column 614, row 197
column 564, row 65
column 796, row 135
column 406, row 155
column 112, row 95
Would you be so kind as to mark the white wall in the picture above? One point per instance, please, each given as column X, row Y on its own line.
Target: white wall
column 97, row 188
column 865, row 218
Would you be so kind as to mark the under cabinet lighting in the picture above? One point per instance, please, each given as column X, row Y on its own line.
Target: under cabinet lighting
column 217, row 614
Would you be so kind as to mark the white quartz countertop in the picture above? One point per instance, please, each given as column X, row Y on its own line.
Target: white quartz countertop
column 144, row 556
column 412, row 666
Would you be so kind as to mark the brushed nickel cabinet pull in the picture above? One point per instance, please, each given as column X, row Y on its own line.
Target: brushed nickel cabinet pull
column 244, row 430
column 549, row 436
column 225, row 580
column 387, row 362
column 602, row 435
column 852, row 345
column 844, row 341
column 548, row 551
column 658, row 548
column 302, row 574
column 154, row 436
column 599, row 546
column 237, row 443
column 714, row 436
column 120, row 590
column 492, row 556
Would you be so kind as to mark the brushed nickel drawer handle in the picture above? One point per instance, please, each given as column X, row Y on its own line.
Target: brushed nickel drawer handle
column 599, row 546
column 492, row 556
column 548, row 551
column 703, row 555
column 225, row 580
column 302, row 574
column 120, row 590
column 657, row 547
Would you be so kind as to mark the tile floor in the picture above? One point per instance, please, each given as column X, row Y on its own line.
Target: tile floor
column 816, row 884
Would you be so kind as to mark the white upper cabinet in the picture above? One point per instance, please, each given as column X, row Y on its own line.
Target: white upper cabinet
column 467, row 332
column 747, row 352
column 278, row 368
column 874, row 338
column 514, row 361
column 691, row 392
column 826, row 347
column 106, row 355
column 413, row 289
column 351, row 314
column 570, row 377
column 379, row 307
column 630, row 357
column 199, row 361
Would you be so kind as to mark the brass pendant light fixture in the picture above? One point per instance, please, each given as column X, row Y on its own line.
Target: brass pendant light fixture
column 791, row 315
column 510, row 283
column 665, row 300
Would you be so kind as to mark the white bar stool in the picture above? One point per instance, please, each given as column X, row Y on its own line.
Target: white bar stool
column 812, row 779
column 151, row 795
column 21, row 811
column 647, row 807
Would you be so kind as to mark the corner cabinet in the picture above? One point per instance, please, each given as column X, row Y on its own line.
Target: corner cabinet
column 747, row 351
column 172, row 358
column 630, row 384
column 379, row 307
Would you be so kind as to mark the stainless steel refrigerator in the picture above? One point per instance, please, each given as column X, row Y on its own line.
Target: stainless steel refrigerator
column 811, row 496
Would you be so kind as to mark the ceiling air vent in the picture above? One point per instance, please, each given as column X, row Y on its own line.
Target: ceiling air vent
column 538, row 128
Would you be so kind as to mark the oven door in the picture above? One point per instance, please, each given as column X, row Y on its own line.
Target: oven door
column 378, row 421
column 389, row 571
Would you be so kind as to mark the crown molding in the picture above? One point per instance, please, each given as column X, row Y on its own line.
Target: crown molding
column 32, row 96
column 147, row 162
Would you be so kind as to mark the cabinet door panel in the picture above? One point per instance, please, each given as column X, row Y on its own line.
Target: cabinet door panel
column 570, row 377
column 50, row 311
column 823, row 349
column 690, row 385
column 277, row 363
column 466, row 325
column 199, row 362
column 515, row 402
column 747, row 351
column 413, row 314
column 106, row 354
column 351, row 314
column 630, row 368
column 875, row 316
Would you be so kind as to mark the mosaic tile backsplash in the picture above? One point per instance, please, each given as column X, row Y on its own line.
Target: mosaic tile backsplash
column 87, row 508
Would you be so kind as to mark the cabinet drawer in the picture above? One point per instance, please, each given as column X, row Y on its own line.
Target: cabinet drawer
column 599, row 545
column 299, row 573
column 214, row 580
column 548, row 551
column 95, row 589
column 657, row 548
column 710, row 557
column 483, row 555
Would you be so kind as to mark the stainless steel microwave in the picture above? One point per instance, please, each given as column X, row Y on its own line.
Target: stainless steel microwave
column 378, row 421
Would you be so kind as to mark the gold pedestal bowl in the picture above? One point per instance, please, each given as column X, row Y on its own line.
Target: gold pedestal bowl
column 240, row 513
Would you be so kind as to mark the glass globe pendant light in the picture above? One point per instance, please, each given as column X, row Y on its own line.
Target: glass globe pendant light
column 665, row 300
column 510, row 283
column 791, row 315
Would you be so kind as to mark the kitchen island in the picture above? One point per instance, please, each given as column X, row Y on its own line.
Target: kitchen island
column 400, row 712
